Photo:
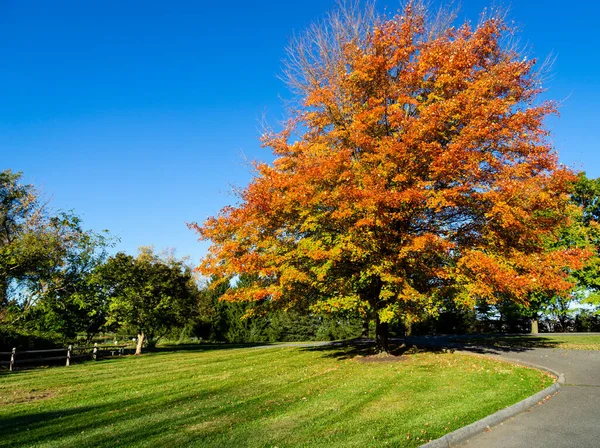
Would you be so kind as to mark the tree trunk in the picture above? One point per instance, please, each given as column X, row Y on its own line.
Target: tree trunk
column 3, row 299
column 534, row 325
column 140, row 342
column 381, row 328
column 381, row 335
column 365, row 328
column 3, row 292
column 562, row 319
column 407, row 328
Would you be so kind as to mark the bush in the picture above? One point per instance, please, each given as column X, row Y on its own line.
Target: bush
column 587, row 321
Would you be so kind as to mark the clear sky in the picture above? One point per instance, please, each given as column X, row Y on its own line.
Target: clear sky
column 141, row 115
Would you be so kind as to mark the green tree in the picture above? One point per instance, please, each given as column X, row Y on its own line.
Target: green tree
column 44, row 260
column 147, row 294
column 75, row 304
column 581, row 231
column 586, row 195
column 222, row 320
column 19, row 242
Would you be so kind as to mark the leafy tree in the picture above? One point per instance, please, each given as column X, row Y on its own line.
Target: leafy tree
column 75, row 304
column 147, row 294
column 209, row 321
column 581, row 231
column 44, row 259
column 416, row 167
column 19, row 218
column 587, row 321
column 586, row 195
column 227, row 321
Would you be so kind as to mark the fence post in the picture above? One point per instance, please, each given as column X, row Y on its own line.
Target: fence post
column 12, row 359
column 69, row 355
column 95, row 352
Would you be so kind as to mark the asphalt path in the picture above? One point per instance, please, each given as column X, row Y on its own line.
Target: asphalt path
column 569, row 419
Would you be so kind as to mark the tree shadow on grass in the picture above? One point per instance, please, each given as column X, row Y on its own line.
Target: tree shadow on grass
column 487, row 344
column 30, row 428
column 511, row 343
column 366, row 350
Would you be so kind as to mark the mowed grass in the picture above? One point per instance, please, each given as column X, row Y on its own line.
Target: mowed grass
column 570, row 342
column 256, row 397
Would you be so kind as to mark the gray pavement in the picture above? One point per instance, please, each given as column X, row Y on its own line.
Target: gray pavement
column 570, row 419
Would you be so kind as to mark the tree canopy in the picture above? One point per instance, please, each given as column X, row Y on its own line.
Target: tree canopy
column 147, row 294
column 416, row 167
column 44, row 259
column 586, row 195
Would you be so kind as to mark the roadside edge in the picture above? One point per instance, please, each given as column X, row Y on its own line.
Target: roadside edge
column 466, row 432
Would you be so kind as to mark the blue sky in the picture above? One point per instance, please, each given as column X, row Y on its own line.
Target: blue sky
column 141, row 115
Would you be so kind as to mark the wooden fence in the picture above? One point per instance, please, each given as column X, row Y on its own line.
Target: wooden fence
column 32, row 357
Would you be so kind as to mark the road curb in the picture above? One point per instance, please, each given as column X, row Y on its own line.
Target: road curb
column 466, row 432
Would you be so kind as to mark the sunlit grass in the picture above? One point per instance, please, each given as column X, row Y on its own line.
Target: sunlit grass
column 257, row 398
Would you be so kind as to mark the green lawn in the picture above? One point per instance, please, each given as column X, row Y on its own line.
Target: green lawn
column 571, row 342
column 256, row 397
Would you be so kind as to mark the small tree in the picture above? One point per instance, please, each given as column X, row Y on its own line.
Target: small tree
column 147, row 294
column 71, row 305
column 415, row 167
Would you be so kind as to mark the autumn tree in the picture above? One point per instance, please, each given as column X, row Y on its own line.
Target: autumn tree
column 415, row 167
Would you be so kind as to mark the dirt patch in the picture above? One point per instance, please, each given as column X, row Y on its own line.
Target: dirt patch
column 397, row 353
column 25, row 396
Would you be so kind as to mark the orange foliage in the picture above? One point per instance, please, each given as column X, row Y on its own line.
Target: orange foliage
column 417, row 165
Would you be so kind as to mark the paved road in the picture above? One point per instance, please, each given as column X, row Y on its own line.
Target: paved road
column 570, row 419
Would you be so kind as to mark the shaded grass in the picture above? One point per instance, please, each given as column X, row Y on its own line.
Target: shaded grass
column 259, row 397
column 570, row 342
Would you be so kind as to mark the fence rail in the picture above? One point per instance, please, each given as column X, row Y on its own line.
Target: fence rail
column 94, row 352
column 44, row 351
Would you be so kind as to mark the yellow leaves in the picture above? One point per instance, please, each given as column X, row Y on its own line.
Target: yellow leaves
column 339, row 303
column 410, row 306
column 359, row 76
column 420, row 246
column 292, row 276
column 502, row 212
column 250, row 313
column 387, row 314
column 433, row 97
